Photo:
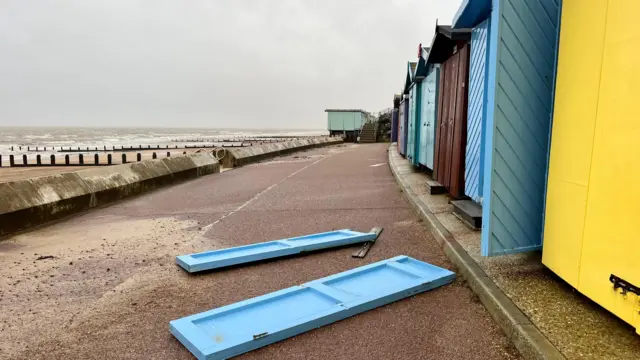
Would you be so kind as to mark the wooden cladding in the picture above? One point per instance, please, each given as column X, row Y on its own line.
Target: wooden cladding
column 451, row 136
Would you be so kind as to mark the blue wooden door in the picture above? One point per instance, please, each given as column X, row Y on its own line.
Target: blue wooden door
column 417, row 123
column 216, row 259
column 476, row 119
column 428, row 109
column 411, row 132
column 402, row 139
column 238, row 328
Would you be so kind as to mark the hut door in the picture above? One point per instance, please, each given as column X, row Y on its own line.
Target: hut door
column 451, row 136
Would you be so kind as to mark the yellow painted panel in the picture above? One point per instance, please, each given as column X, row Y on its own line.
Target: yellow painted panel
column 577, row 89
column 612, row 235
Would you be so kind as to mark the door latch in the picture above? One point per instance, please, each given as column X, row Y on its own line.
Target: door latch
column 626, row 286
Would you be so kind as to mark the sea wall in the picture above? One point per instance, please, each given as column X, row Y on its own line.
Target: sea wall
column 243, row 156
column 32, row 202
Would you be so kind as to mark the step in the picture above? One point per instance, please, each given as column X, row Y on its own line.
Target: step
column 468, row 211
column 247, row 325
column 435, row 188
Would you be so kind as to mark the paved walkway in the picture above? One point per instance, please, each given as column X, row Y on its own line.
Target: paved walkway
column 576, row 326
column 113, row 286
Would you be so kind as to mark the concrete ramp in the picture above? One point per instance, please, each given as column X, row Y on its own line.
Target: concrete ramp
column 250, row 154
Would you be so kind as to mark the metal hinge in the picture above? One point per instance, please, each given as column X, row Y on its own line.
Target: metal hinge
column 626, row 287
column 260, row 336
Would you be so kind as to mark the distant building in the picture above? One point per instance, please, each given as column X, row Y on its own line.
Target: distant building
column 347, row 122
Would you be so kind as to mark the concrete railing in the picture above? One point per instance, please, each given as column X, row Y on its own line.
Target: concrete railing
column 28, row 203
column 239, row 157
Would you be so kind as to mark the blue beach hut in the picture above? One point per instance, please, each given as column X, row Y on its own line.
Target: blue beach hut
column 512, row 72
column 412, row 92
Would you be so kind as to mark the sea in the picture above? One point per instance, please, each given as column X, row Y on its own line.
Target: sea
column 24, row 137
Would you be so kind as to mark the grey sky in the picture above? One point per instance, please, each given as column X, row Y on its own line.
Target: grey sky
column 207, row 63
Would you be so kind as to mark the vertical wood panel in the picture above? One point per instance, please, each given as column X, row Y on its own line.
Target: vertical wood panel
column 518, row 137
column 460, row 123
column 401, row 128
column 476, row 112
column 452, row 121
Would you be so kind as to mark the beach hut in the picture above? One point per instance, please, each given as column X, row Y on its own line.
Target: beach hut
column 450, row 48
column 590, row 229
column 413, row 91
column 428, row 75
column 513, row 57
column 394, row 119
column 403, row 113
column 421, row 132
column 346, row 122
column 402, row 124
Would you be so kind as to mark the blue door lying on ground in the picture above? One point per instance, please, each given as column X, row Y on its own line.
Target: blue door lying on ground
column 428, row 106
column 272, row 249
column 247, row 325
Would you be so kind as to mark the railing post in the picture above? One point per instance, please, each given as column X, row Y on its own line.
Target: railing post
column 38, row 159
column 53, row 159
column 12, row 161
column 109, row 159
column 154, row 156
column 168, row 154
column 81, row 159
column 96, row 159
column 139, row 157
column 24, row 160
column 124, row 158
column 66, row 159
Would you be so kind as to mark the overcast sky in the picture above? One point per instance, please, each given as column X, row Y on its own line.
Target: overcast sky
column 205, row 63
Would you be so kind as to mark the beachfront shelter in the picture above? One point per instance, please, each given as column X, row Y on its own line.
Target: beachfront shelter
column 450, row 49
column 428, row 75
column 513, row 62
column 345, row 122
column 404, row 110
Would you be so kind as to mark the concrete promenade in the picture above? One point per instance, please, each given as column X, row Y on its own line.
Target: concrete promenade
column 104, row 284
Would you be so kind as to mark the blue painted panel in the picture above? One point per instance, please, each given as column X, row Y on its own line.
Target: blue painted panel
column 476, row 114
column 417, row 121
column 411, row 132
column 405, row 128
column 268, row 250
column 248, row 325
column 522, row 53
column 429, row 105
column 402, row 132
